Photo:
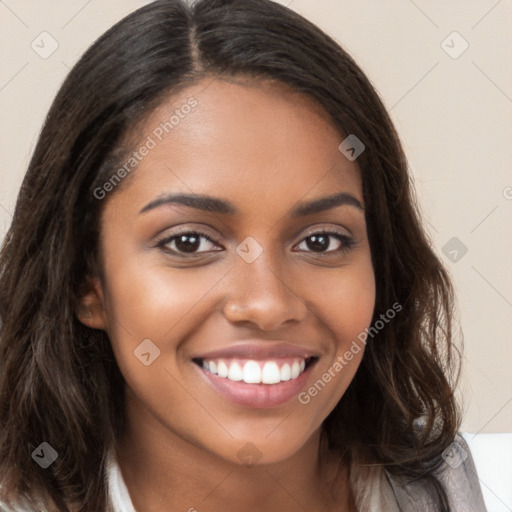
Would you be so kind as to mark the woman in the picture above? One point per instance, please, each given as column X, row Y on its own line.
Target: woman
column 216, row 292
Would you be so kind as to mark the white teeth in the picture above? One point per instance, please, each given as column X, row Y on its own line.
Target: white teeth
column 235, row 372
column 295, row 371
column 254, row 372
column 222, row 369
column 286, row 372
column 270, row 373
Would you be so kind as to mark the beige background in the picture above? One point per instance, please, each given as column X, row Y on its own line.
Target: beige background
column 453, row 114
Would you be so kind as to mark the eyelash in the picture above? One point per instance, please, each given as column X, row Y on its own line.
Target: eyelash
column 347, row 243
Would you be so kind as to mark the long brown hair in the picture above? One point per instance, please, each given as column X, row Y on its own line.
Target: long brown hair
column 59, row 381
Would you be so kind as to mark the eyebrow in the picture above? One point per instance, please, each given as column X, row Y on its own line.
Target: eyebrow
column 216, row 205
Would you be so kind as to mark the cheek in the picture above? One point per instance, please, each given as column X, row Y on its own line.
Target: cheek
column 352, row 315
column 153, row 301
column 344, row 305
column 351, row 310
column 345, row 300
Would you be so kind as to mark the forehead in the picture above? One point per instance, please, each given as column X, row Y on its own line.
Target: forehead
column 241, row 140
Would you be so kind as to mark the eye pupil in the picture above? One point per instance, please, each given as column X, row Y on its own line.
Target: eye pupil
column 318, row 242
column 190, row 246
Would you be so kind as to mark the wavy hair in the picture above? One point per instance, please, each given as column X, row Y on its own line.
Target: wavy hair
column 59, row 381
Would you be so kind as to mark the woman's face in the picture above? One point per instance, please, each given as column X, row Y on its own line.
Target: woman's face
column 269, row 297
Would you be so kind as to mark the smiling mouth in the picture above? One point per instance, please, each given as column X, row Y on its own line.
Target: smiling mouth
column 251, row 371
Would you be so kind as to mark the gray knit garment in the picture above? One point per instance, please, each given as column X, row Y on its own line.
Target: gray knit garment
column 378, row 491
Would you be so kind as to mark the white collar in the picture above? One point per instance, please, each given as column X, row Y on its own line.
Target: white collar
column 117, row 489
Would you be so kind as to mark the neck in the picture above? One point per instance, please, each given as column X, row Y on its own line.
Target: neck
column 161, row 468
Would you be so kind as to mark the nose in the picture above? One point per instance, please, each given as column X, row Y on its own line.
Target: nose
column 263, row 296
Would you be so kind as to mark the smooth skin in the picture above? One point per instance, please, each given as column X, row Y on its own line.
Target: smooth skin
column 264, row 148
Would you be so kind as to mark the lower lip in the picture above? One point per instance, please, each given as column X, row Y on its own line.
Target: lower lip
column 259, row 396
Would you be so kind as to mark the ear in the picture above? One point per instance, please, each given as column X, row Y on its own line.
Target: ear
column 91, row 311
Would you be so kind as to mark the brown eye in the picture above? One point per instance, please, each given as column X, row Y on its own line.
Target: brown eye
column 186, row 243
column 322, row 242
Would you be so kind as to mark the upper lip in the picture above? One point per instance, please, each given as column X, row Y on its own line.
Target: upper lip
column 258, row 349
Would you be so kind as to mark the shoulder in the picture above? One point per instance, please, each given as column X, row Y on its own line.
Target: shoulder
column 457, row 474
column 460, row 477
column 115, row 486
